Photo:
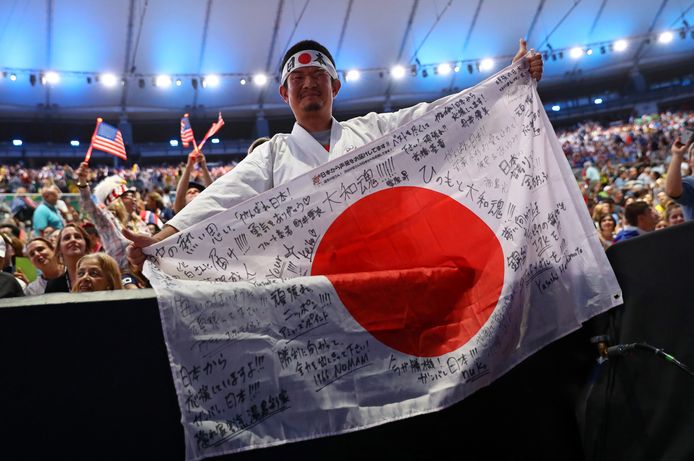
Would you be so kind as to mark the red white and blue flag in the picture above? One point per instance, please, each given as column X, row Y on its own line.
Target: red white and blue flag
column 213, row 129
column 109, row 139
column 392, row 281
column 187, row 135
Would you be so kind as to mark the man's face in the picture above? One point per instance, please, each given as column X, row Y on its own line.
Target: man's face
column 310, row 91
column 191, row 193
column 50, row 197
column 128, row 199
column 648, row 220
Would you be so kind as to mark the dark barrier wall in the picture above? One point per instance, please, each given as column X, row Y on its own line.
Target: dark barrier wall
column 87, row 377
column 641, row 407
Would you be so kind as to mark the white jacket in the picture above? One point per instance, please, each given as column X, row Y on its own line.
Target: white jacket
column 287, row 156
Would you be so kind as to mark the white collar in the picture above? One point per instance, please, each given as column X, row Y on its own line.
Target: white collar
column 310, row 150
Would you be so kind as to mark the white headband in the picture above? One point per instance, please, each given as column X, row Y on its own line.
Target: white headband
column 308, row 58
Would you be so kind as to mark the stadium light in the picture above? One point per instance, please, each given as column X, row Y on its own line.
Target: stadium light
column 576, row 52
column 109, row 80
column 52, row 78
column 179, row 82
column 397, row 72
column 17, row 142
column 444, row 68
column 214, row 140
column 243, row 81
column 620, row 45
column 556, row 108
column 260, row 79
column 163, row 81
column 13, row 77
column 665, row 37
column 211, row 81
column 598, row 101
column 352, row 76
column 74, row 143
column 173, row 143
column 486, row 65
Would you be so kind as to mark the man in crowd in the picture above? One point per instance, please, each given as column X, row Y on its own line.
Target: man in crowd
column 47, row 214
column 187, row 190
column 681, row 189
column 309, row 83
column 641, row 218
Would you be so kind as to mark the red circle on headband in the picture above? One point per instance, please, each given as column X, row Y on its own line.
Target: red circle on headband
column 304, row 58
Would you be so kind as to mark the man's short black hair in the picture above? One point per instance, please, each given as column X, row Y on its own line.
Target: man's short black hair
column 195, row 185
column 306, row 45
column 634, row 210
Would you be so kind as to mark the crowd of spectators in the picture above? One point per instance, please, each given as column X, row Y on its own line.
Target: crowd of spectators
column 77, row 245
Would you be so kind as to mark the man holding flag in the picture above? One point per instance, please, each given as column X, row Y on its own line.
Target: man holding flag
column 365, row 271
column 309, row 83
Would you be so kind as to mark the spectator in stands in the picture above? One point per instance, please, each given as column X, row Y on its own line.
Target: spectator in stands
column 681, row 189
column 187, row 190
column 17, row 249
column 42, row 255
column 119, row 199
column 73, row 243
column 606, row 229
column 93, row 232
column 592, row 174
column 154, row 203
column 9, row 285
column 22, row 206
column 108, row 226
column 641, row 218
column 47, row 214
column 663, row 202
column 97, row 272
column 10, row 228
column 52, row 235
column 674, row 214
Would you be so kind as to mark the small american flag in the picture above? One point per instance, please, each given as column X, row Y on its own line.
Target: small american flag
column 109, row 139
column 213, row 129
column 187, row 135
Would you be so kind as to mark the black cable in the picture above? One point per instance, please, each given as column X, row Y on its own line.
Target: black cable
column 625, row 349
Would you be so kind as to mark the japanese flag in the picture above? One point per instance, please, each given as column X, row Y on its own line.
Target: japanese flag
column 393, row 281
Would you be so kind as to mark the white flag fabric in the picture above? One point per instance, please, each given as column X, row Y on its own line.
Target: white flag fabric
column 392, row 281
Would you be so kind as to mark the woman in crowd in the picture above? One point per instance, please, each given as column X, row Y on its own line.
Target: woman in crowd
column 606, row 230
column 109, row 225
column 42, row 255
column 115, row 195
column 10, row 286
column 73, row 243
column 674, row 214
column 97, row 272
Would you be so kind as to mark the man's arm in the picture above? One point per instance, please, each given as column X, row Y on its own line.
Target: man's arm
column 136, row 257
column 182, row 186
column 206, row 178
column 253, row 175
column 388, row 122
column 673, row 182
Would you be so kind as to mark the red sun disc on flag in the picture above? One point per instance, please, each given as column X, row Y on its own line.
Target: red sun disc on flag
column 304, row 58
column 418, row 270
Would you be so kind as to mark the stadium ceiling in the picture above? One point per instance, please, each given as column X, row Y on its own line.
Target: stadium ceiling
column 193, row 40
